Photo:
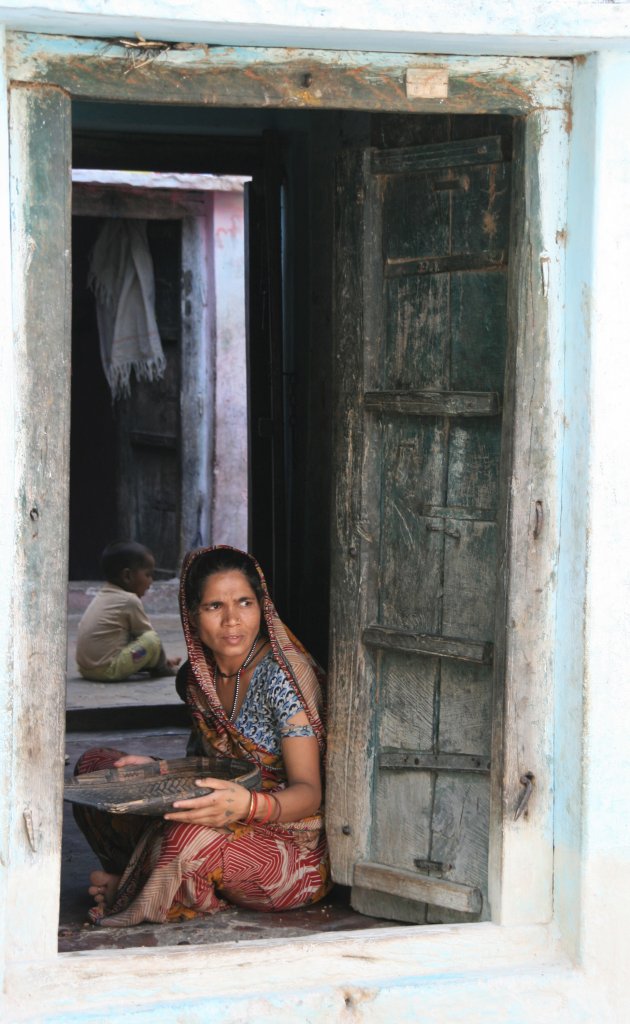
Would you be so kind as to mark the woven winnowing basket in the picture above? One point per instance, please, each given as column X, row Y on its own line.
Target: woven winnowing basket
column 151, row 789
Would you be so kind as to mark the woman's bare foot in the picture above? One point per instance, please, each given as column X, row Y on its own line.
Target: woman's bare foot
column 103, row 888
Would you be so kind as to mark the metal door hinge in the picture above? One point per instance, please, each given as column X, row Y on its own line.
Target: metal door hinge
column 539, row 519
column 526, row 780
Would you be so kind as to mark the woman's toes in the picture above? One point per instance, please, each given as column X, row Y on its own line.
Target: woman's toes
column 103, row 887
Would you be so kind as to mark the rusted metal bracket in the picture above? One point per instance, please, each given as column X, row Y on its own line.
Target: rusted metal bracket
column 526, row 780
column 30, row 828
column 539, row 520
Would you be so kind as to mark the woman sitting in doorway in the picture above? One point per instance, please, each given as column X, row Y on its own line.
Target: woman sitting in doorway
column 254, row 693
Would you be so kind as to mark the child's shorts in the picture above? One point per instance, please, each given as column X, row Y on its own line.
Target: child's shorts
column 142, row 653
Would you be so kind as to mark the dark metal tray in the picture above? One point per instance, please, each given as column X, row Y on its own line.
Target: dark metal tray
column 151, row 789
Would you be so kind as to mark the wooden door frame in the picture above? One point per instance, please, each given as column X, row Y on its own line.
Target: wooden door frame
column 45, row 73
column 196, row 418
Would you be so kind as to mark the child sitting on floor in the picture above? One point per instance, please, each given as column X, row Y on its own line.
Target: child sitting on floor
column 115, row 638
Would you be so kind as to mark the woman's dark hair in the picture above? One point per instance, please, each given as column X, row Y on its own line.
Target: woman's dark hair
column 221, row 560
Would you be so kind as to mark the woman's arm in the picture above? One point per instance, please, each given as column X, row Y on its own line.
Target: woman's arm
column 230, row 802
column 303, row 794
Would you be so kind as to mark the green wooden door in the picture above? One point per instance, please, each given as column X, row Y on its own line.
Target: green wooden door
column 422, row 241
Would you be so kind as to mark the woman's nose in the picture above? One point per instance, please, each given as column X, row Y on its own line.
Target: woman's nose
column 230, row 613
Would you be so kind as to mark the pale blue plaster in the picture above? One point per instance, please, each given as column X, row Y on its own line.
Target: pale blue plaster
column 7, row 511
column 477, row 998
column 574, row 496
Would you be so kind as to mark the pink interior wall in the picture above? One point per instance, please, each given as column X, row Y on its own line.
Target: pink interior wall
column 229, row 513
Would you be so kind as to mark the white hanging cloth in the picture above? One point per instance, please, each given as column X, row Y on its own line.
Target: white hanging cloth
column 121, row 277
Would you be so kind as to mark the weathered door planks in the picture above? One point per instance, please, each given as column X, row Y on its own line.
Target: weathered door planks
column 425, row 486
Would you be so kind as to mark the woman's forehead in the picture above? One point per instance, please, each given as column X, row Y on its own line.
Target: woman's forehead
column 231, row 581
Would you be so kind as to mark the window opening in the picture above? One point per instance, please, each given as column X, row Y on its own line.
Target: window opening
column 307, row 254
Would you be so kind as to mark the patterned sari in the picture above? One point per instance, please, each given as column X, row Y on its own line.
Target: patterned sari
column 172, row 870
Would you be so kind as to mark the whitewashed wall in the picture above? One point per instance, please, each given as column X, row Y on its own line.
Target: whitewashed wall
column 605, row 889
column 7, row 503
column 536, row 28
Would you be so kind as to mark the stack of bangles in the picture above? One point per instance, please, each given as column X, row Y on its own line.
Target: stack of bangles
column 272, row 809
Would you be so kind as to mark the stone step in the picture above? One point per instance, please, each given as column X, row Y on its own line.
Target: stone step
column 125, row 717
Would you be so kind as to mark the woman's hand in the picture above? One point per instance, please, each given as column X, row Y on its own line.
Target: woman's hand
column 122, row 762
column 228, row 803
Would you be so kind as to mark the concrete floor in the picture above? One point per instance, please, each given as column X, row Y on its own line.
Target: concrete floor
column 145, row 715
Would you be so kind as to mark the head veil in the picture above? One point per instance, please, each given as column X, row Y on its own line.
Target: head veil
column 196, row 682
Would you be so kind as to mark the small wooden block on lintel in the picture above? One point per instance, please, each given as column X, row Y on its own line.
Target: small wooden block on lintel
column 427, row 83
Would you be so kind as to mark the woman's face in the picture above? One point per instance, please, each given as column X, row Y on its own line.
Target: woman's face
column 228, row 620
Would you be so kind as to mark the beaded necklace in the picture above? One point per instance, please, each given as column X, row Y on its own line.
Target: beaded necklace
column 230, row 675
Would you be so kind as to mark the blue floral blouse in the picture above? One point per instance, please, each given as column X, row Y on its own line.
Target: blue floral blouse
column 269, row 704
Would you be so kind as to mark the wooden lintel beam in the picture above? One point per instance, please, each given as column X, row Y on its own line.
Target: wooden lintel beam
column 125, row 201
column 230, row 76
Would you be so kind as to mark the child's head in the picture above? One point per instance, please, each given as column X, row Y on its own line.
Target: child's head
column 128, row 565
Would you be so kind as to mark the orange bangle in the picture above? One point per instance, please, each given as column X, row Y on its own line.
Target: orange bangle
column 269, row 811
column 253, row 807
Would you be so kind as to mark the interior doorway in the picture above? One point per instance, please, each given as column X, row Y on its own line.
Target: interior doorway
column 149, row 445
column 125, row 474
